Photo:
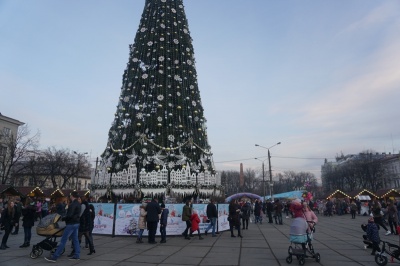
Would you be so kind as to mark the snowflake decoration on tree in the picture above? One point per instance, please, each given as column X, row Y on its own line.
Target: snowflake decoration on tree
column 158, row 158
column 171, row 138
column 160, row 97
column 139, row 115
column 131, row 158
column 181, row 159
column 171, row 165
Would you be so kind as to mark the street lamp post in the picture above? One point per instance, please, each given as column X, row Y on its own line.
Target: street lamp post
column 263, row 176
column 270, row 171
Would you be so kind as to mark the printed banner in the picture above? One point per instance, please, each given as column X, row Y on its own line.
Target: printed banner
column 127, row 219
column 103, row 222
column 223, row 212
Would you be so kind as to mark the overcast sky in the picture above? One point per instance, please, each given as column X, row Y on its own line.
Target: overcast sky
column 322, row 77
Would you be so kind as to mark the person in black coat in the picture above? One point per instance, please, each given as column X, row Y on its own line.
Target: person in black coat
column 153, row 210
column 28, row 221
column 234, row 217
column 257, row 212
column 270, row 209
column 212, row 215
column 85, row 224
column 246, row 208
column 8, row 220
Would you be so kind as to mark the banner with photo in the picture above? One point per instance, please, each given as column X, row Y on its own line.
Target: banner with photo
column 223, row 212
column 104, row 219
column 127, row 219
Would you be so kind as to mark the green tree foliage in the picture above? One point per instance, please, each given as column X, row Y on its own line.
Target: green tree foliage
column 159, row 119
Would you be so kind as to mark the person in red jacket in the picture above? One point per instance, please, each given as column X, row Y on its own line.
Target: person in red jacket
column 194, row 218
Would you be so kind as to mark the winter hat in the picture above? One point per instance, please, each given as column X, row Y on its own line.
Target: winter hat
column 297, row 209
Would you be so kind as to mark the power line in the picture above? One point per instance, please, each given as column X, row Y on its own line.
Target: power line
column 282, row 157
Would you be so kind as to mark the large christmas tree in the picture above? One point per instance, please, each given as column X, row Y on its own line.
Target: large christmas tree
column 159, row 124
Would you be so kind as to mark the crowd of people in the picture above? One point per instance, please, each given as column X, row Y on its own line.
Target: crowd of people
column 78, row 215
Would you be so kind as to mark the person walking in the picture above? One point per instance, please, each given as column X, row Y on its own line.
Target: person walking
column 353, row 209
column 153, row 210
column 8, row 220
column 163, row 223
column 84, row 224
column 245, row 215
column 392, row 217
column 142, row 222
column 28, row 221
column 212, row 215
column 18, row 209
column 278, row 207
column 257, row 211
column 329, row 207
column 195, row 221
column 72, row 221
column 186, row 213
column 91, row 227
column 378, row 216
column 270, row 209
column 234, row 220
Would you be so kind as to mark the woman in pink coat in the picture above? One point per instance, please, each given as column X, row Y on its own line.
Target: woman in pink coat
column 310, row 216
column 194, row 218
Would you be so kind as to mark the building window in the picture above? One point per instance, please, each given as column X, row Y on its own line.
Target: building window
column 3, row 151
column 6, row 132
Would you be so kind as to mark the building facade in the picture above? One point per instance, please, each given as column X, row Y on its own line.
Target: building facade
column 8, row 133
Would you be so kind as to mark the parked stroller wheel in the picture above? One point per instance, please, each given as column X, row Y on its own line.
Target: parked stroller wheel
column 40, row 251
column 381, row 260
column 289, row 259
column 302, row 260
column 35, row 253
column 317, row 257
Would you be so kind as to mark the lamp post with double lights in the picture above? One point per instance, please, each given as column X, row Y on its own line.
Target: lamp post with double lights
column 263, row 176
column 270, row 171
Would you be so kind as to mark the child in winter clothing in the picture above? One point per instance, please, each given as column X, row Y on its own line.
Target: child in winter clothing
column 142, row 222
column 373, row 235
column 194, row 218
column 163, row 223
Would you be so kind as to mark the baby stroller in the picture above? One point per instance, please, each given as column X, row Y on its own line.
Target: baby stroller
column 301, row 247
column 49, row 228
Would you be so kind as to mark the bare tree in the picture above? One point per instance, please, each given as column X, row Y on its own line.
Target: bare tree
column 251, row 183
column 230, row 181
column 60, row 167
column 17, row 148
